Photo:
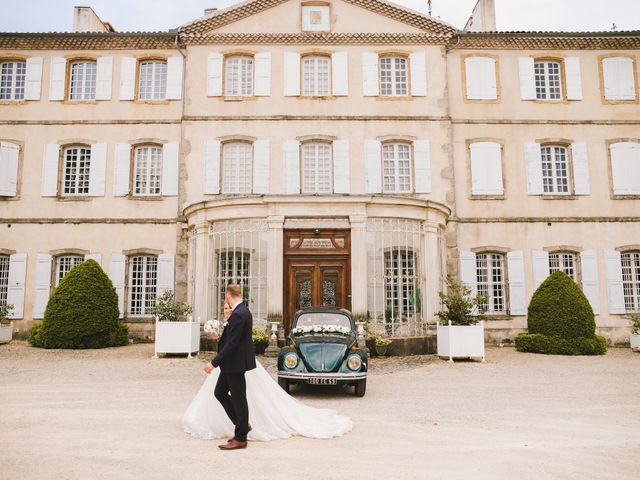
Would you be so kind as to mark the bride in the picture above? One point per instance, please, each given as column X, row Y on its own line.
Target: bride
column 273, row 413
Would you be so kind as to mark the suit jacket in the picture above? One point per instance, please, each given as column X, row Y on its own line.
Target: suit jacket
column 235, row 346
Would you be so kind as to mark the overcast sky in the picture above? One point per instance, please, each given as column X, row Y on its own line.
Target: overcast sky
column 151, row 15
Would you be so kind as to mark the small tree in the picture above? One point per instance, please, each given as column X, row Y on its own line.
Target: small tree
column 5, row 313
column 167, row 309
column 460, row 307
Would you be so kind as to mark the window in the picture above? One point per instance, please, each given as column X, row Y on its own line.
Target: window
column 153, row 80
column 12, row 80
column 239, row 77
column 83, row 81
column 393, row 76
column 400, row 282
column 565, row 262
column 631, row 281
column 625, row 167
column 491, row 283
column 77, row 164
column 396, row 167
column 233, row 267
column 555, row 171
column 4, row 278
column 64, row 264
column 143, row 278
column 316, row 168
column 236, row 167
column 315, row 18
column 315, row 76
column 147, row 170
column 619, row 79
column 548, row 81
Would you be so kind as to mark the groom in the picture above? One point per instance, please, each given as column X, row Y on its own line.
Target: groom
column 235, row 356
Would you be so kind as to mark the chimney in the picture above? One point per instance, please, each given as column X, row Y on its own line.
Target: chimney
column 483, row 17
column 209, row 11
column 86, row 20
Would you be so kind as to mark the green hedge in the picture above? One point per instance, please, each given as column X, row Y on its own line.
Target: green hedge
column 537, row 343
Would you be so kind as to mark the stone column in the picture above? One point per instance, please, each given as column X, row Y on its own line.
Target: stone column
column 202, row 264
column 358, row 265
column 275, row 263
column 433, row 271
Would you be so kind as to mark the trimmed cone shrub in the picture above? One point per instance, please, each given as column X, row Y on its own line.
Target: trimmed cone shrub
column 82, row 312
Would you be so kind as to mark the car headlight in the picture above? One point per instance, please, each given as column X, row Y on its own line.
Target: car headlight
column 354, row 362
column 291, row 360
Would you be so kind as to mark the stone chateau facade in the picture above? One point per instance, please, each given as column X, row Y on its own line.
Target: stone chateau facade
column 343, row 152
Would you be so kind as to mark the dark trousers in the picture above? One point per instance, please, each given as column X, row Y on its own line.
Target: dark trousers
column 231, row 392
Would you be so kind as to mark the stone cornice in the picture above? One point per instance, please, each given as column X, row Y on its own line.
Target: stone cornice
column 315, row 39
column 546, row 41
column 87, row 41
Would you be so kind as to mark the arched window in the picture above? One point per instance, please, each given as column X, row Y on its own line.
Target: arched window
column 12, row 80
column 77, row 166
column 237, row 162
column 565, row 262
column 491, row 281
column 147, row 170
column 631, row 280
column 64, row 264
column 548, row 77
column 394, row 76
column 315, row 76
column 152, row 84
column 82, row 83
column 239, row 76
column 143, row 279
column 316, row 168
column 396, row 168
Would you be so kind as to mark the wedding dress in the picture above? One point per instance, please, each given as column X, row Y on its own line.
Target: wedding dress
column 272, row 412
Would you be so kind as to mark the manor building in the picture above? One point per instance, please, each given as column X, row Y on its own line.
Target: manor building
column 349, row 153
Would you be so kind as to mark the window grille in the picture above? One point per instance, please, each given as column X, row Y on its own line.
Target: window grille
column 564, row 261
column 396, row 167
column 491, row 281
column 239, row 77
column 393, row 76
column 237, row 160
column 147, row 168
column 548, row 81
column 315, row 76
column 631, row 281
column 4, row 278
column 153, row 80
column 64, row 264
column 76, row 171
column 12, row 80
column 143, row 278
column 555, row 170
column 83, row 81
column 316, row 168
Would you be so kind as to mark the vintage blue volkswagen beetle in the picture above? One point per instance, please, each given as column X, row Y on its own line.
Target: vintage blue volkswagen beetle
column 323, row 351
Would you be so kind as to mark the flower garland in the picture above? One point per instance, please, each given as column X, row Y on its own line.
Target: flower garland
column 322, row 329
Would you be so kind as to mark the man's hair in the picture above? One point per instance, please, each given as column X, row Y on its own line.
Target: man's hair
column 234, row 290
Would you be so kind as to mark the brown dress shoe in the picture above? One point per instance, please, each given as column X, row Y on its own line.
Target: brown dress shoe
column 233, row 444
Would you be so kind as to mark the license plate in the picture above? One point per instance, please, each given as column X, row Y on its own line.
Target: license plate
column 323, row 381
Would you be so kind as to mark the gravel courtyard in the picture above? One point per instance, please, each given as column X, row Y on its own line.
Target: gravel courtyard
column 115, row 414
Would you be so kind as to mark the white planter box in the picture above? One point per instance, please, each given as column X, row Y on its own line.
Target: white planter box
column 461, row 341
column 177, row 337
column 6, row 333
column 635, row 341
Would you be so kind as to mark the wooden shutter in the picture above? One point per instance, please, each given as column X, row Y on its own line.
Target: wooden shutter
column 214, row 75
column 533, row 162
column 373, row 166
column 175, row 66
column 56, row 84
column 619, row 78
column 422, row 166
column 170, row 168
column 211, row 175
column 486, row 168
column 580, row 168
column 480, row 74
column 15, row 283
column 468, row 271
column 517, row 300
column 50, row 170
column 527, row 78
column 261, row 161
column 540, row 267
column 613, row 272
column 341, row 167
column 291, row 163
column 122, row 169
column 291, row 74
column 340, row 74
column 165, row 273
column 43, row 284
column 104, row 74
column 590, row 280
column 574, row 78
column 370, row 74
column 127, row 78
column 97, row 257
column 9, row 159
column 263, row 74
column 117, row 264
column 625, row 168
column 98, row 169
column 418, row 70
column 33, row 78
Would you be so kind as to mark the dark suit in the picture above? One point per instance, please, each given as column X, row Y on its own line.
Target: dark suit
column 235, row 357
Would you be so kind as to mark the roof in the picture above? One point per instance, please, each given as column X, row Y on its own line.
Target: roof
column 87, row 41
column 520, row 40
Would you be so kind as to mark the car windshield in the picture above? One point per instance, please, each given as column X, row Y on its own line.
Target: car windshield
column 318, row 318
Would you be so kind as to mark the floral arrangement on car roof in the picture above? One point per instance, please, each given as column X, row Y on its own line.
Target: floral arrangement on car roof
column 322, row 329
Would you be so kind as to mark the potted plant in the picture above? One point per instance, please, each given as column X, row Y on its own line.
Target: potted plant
column 382, row 343
column 635, row 332
column 6, row 326
column 175, row 331
column 260, row 339
column 460, row 330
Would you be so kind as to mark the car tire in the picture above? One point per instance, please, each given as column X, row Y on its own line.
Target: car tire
column 284, row 383
column 361, row 387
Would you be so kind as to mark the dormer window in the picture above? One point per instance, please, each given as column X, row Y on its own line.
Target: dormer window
column 315, row 18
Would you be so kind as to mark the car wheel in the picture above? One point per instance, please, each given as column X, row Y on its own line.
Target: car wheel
column 361, row 387
column 284, row 383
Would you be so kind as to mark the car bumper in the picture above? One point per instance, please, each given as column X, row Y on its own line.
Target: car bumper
column 306, row 377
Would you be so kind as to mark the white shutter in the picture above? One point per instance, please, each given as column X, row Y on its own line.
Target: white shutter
column 165, row 273
column 370, row 74
column 422, row 166
column 291, row 164
column 211, row 167
column 117, row 264
column 574, row 78
column 590, row 280
column 540, row 267
column 56, row 84
column 625, row 168
column 261, row 161
column 121, row 170
column 291, row 74
column 480, row 74
column 263, row 74
column 486, row 168
column 127, row 78
column 527, row 78
column 373, row 166
column 340, row 74
column 619, row 78
column 517, row 300
column 97, row 169
column 33, row 78
column 613, row 272
column 50, row 160
column 533, row 161
column 9, row 156
column 15, row 283
column 104, row 74
column 468, row 271
column 43, row 285
column 214, row 75
column 418, row 69
column 175, row 66
column 97, row 257
column 170, row 167
column 341, row 167
column 580, row 168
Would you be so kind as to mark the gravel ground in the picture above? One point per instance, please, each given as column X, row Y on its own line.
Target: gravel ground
column 115, row 414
